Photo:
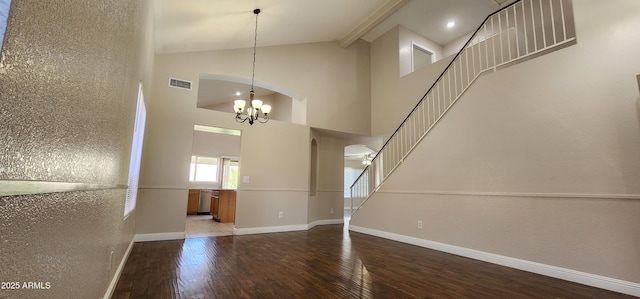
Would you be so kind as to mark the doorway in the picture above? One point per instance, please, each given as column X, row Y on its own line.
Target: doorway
column 357, row 157
column 213, row 180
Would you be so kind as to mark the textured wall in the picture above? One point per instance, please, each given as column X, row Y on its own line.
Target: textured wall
column 69, row 73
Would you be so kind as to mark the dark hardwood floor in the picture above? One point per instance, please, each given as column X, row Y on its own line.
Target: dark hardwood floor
column 324, row 262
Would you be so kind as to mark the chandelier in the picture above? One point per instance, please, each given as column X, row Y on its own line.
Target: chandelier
column 257, row 111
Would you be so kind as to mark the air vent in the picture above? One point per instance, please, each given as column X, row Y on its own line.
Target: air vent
column 178, row 83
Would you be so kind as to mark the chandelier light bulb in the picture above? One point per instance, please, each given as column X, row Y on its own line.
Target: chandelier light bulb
column 239, row 105
column 256, row 104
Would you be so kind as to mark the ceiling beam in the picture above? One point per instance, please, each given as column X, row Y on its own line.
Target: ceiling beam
column 374, row 19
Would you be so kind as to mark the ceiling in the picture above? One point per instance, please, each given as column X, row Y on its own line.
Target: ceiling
column 197, row 25
column 429, row 18
column 201, row 25
column 358, row 152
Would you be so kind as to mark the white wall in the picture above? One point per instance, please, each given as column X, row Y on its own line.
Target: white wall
column 539, row 161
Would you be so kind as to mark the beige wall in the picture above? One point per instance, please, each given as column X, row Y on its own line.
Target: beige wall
column 406, row 40
column 273, row 155
column 331, row 165
column 331, row 183
column 538, row 161
column 276, row 158
column 215, row 144
column 455, row 46
column 285, row 108
column 68, row 99
column 592, row 235
column 327, row 76
column 392, row 97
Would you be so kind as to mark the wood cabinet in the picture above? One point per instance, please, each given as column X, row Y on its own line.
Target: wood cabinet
column 215, row 202
column 223, row 205
column 192, row 202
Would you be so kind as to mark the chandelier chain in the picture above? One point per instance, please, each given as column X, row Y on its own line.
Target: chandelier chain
column 256, row 110
column 255, row 44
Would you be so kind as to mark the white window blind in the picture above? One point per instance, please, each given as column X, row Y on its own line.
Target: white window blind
column 136, row 154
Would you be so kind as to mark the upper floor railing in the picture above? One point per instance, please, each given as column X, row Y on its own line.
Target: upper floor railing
column 517, row 32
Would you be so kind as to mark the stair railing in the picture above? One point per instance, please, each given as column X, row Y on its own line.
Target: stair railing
column 520, row 31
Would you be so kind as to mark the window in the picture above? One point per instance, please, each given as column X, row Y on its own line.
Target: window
column 4, row 14
column 350, row 176
column 203, row 169
column 421, row 57
column 230, row 174
column 136, row 155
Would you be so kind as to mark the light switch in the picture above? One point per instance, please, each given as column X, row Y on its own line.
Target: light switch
column 246, row 179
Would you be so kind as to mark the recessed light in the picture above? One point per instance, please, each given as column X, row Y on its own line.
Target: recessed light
column 238, row 93
column 451, row 24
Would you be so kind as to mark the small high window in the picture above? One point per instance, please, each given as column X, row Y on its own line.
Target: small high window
column 421, row 57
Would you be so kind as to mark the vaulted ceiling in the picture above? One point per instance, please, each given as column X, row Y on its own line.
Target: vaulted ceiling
column 200, row 25
column 203, row 25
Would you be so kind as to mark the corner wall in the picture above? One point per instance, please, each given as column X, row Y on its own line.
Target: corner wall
column 69, row 75
column 330, row 202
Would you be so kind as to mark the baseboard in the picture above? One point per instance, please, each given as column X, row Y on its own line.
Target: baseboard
column 603, row 282
column 269, row 229
column 116, row 276
column 325, row 222
column 518, row 194
column 158, row 237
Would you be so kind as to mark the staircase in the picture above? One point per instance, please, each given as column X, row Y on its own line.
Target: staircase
column 521, row 31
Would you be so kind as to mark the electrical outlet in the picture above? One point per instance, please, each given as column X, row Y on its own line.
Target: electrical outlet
column 420, row 224
column 281, row 215
column 331, row 210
